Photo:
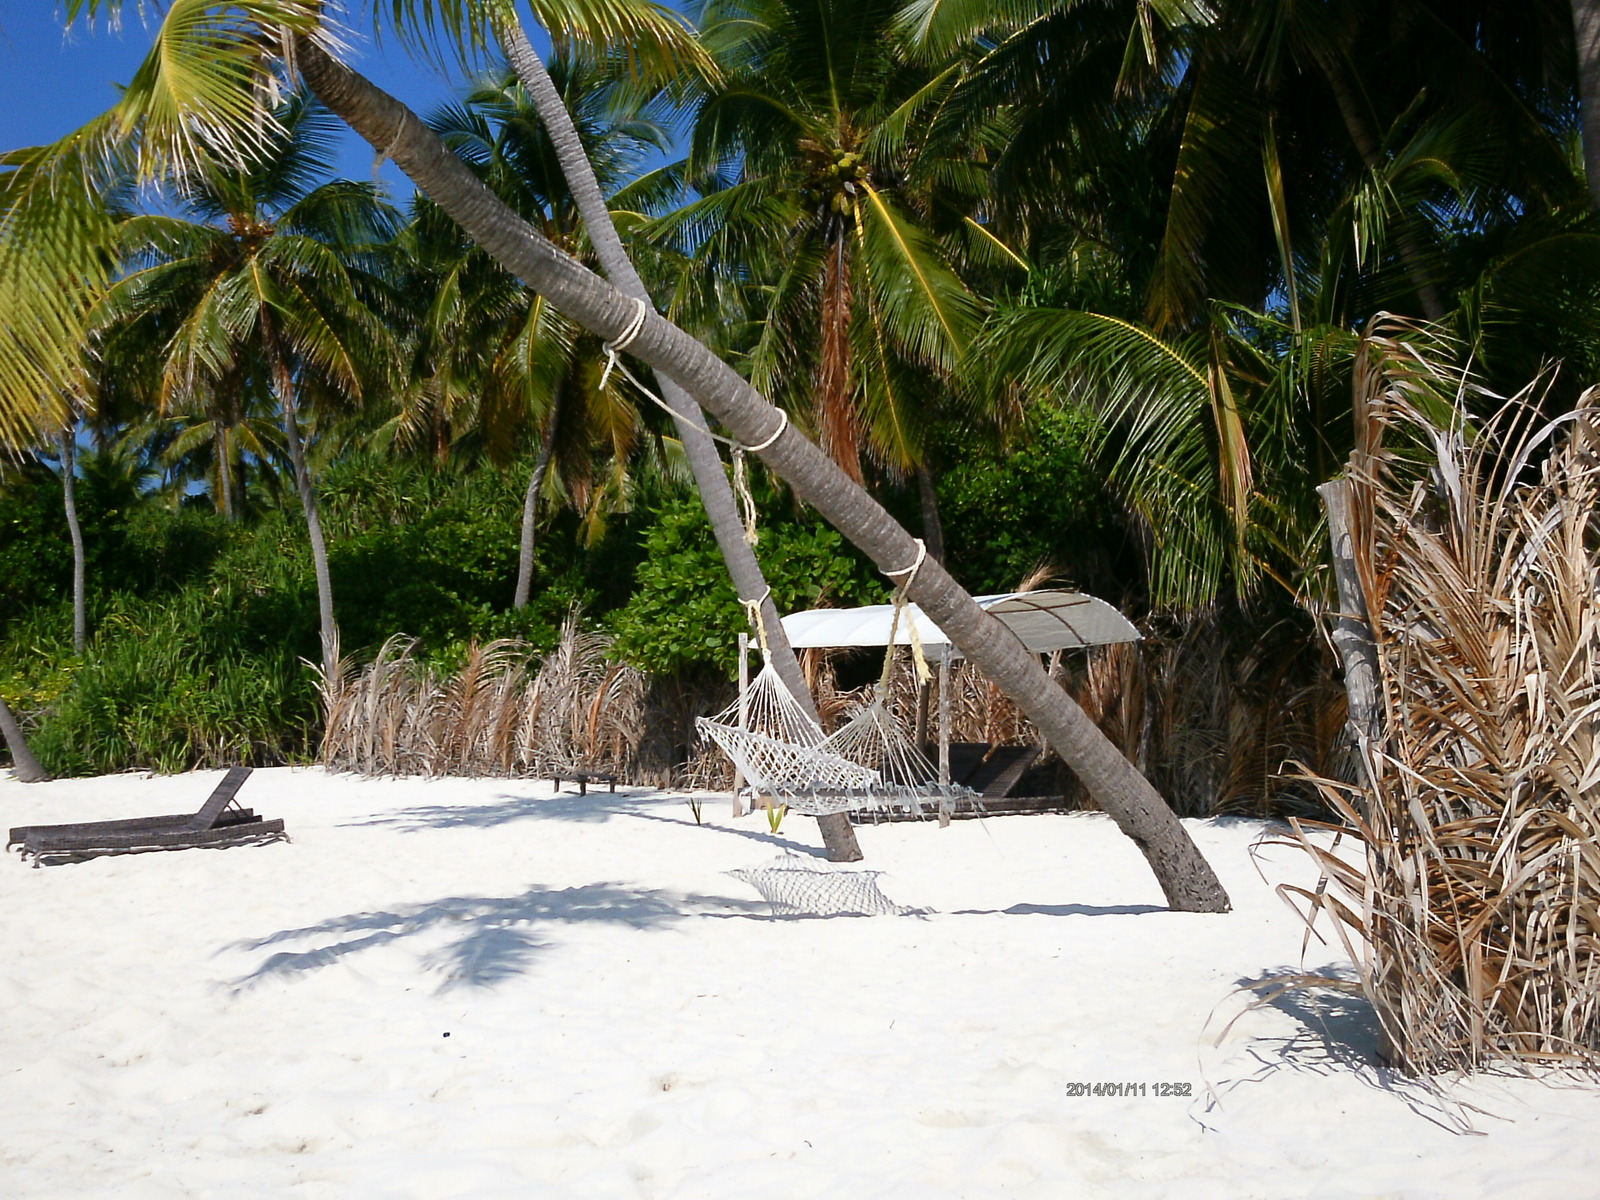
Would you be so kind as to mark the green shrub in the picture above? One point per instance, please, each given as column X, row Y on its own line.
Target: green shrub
column 684, row 612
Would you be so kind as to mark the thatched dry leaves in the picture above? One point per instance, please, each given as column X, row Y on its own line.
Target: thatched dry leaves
column 1474, row 905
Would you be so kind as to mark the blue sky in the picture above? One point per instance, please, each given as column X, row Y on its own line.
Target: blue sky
column 52, row 81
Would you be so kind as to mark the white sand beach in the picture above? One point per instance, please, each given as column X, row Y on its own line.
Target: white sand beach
column 459, row 988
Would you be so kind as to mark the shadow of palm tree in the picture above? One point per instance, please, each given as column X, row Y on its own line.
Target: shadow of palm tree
column 498, row 941
column 1338, row 1027
column 595, row 807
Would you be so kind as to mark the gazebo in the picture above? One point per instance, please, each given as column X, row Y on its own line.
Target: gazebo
column 1044, row 621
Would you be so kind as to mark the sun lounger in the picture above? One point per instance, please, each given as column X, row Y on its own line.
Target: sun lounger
column 219, row 822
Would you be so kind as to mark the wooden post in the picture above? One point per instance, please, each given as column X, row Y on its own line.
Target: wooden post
column 944, row 715
column 944, row 730
column 744, row 713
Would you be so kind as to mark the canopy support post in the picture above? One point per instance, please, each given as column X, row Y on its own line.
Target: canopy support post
column 744, row 713
column 944, row 729
column 944, row 715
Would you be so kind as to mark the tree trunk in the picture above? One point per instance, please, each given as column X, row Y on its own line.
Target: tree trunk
column 224, row 471
column 1186, row 879
column 932, row 526
column 1586, row 34
column 716, row 494
column 530, row 504
column 283, row 381
column 838, row 429
column 23, row 763
column 1352, row 632
column 69, row 492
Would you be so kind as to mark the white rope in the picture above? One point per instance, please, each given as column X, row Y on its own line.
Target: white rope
column 623, row 340
column 747, row 502
column 922, row 555
column 388, row 151
column 752, row 611
column 783, row 423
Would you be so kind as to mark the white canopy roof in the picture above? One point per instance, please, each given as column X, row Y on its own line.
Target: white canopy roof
column 1045, row 621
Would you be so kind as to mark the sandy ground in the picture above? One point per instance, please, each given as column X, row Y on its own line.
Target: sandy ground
column 481, row 989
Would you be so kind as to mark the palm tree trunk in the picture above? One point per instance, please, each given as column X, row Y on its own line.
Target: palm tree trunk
column 1586, row 33
column 1183, row 874
column 224, row 471
column 1352, row 632
column 23, row 763
column 69, row 493
column 530, row 504
column 701, row 452
column 838, row 430
column 283, row 381
column 932, row 526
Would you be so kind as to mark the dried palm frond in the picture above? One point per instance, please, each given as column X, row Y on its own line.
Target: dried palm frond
column 1472, row 906
column 499, row 714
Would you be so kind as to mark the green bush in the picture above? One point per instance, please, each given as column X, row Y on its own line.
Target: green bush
column 684, row 612
column 1040, row 502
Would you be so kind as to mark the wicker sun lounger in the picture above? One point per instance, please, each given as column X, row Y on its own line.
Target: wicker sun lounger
column 219, row 822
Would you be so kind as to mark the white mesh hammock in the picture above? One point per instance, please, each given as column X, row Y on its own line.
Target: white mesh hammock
column 867, row 763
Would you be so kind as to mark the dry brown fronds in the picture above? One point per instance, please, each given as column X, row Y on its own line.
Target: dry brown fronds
column 502, row 713
column 1473, row 905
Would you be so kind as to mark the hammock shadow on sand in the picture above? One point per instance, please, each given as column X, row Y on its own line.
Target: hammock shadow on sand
column 499, row 941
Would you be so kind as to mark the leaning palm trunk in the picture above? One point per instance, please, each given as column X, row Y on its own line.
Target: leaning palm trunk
column 700, row 451
column 1184, row 876
column 1472, row 909
column 26, row 766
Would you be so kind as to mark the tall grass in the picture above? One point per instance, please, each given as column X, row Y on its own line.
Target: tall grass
column 1471, row 902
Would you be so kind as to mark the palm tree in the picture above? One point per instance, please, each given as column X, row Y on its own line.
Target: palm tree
column 1251, row 127
column 826, row 192
column 1184, row 875
column 1127, row 796
column 274, row 285
column 23, row 762
column 1586, row 32
column 490, row 347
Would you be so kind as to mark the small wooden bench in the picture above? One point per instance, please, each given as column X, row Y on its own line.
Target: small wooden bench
column 584, row 778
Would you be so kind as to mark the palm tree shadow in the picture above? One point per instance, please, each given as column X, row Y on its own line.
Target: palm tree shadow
column 1338, row 1029
column 498, row 939
column 1064, row 910
column 596, row 807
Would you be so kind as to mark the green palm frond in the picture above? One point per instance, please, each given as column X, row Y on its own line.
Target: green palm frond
column 648, row 40
column 928, row 313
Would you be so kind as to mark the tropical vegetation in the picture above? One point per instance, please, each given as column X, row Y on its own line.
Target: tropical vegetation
column 1079, row 284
